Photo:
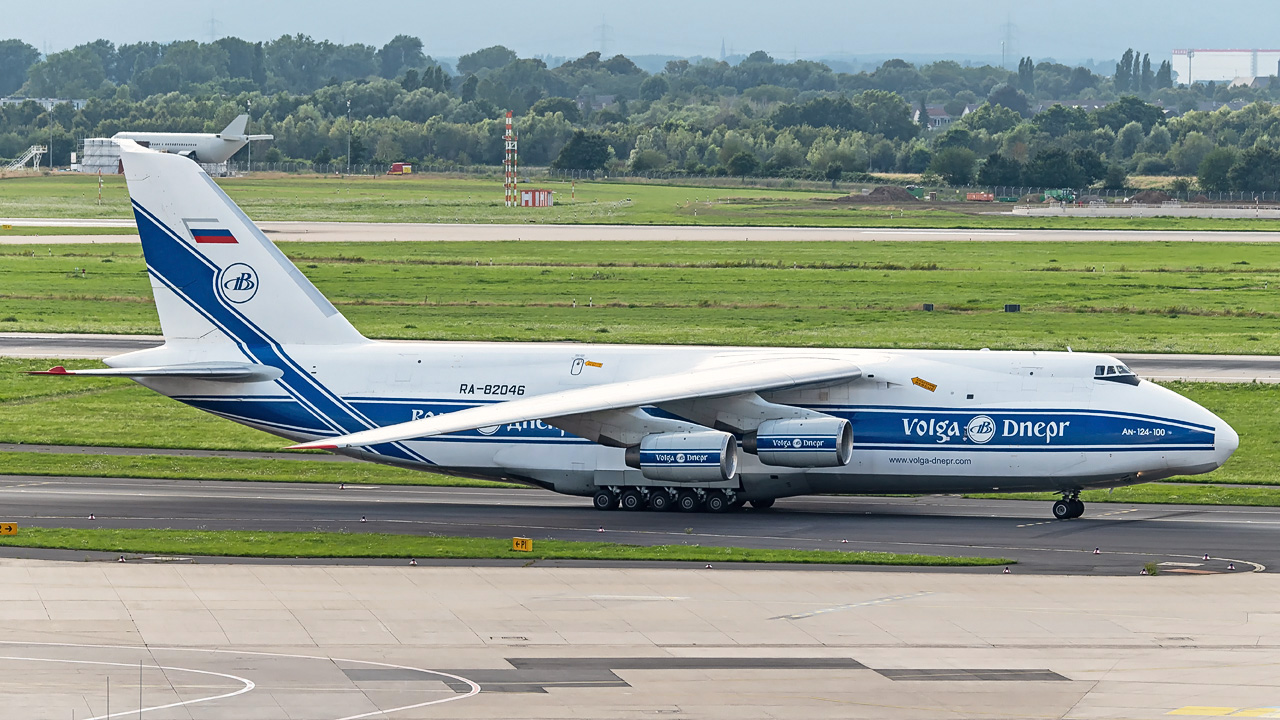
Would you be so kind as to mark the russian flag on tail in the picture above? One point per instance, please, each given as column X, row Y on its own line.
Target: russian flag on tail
column 215, row 236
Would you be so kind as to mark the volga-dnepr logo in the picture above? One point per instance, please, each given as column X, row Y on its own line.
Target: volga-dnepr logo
column 980, row 429
column 238, row 283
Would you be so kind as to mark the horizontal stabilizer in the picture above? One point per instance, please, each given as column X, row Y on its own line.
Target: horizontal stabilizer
column 745, row 377
column 224, row 371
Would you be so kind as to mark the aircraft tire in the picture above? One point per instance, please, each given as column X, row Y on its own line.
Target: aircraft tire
column 1077, row 508
column 631, row 499
column 716, row 502
column 605, row 500
column 1062, row 510
column 688, row 501
column 660, row 500
column 764, row 504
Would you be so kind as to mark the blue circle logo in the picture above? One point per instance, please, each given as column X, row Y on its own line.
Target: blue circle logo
column 238, row 283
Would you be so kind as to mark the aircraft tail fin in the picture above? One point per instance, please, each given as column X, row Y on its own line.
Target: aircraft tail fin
column 214, row 274
column 235, row 130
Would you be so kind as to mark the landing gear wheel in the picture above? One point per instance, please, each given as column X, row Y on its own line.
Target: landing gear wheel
column 660, row 500
column 631, row 500
column 1062, row 510
column 605, row 500
column 716, row 501
column 762, row 504
column 688, row 501
column 1077, row 508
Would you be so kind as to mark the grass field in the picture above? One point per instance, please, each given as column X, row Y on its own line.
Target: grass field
column 234, row 543
column 479, row 200
column 1135, row 297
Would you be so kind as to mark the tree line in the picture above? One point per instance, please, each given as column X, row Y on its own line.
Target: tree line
column 755, row 117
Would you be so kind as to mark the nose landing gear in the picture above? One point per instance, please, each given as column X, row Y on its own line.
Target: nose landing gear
column 1069, row 507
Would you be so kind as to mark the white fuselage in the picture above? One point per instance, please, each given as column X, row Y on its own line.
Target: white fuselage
column 202, row 147
column 923, row 421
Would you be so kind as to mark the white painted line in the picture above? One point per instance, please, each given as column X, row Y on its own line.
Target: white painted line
column 475, row 688
column 248, row 684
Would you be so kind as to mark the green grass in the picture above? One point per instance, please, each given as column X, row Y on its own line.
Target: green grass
column 1162, row 494
column 479, row 200
column 19, row 232
column 1161, row 297
column 234, row 543
column 217, row 468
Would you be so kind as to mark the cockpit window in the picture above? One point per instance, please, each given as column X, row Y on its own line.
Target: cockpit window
column 1115, row 373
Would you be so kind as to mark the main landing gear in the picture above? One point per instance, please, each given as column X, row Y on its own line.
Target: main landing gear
column 663, row 499
column 1069, row 507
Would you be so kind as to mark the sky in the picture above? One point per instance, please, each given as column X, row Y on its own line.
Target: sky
column 851, row 29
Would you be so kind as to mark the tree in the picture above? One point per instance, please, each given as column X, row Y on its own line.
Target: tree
column 1123, row 78
column 1011, row 97
column 1212, row 175
column 742, row 164
column 1053, row 168
column 411, row 80
column 955, row 165
column 15, row 59
column 1164, row 76
column 561, row 105
column 1190, row 152
column 1158, row 141
column 992, row 118
column 399, row 54
column 653, row 88
column 323, row 157
column 1027, row 75
column 1127, row 110
column 584, row 151
column 468, row 90
column 1128, row 140
column 834, row 172
column 1092, row 169
column 490, row 58
column 887, row 113
column 73, row 73
column 1257, row 168
column 1000, row 170
column 1148, row 80
column 1116, row 178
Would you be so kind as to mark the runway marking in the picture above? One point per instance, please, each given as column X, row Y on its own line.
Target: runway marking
column 850, row 606
column 1092, row 516
column 636, row 597
column 248, row 684
column 475, row 688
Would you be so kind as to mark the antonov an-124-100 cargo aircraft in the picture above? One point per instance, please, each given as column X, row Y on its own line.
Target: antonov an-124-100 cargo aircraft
column 250, row 339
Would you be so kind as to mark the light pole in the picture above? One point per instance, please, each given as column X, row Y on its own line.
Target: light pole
column 349, row 129
column 248, row 104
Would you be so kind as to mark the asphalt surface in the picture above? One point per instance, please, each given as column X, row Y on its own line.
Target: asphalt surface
column 1209, row 368
column 465, row 232
column 1124, row 536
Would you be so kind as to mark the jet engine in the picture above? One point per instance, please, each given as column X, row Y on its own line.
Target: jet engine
column 802, row 442
column 710, row 456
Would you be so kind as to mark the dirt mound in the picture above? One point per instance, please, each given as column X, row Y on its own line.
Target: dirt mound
column 1200, row 199
column 882, row 195
column 1151, row 197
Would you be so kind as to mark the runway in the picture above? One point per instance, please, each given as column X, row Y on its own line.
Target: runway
column 285, row 231
column 1125, row 536
column 1207, row 368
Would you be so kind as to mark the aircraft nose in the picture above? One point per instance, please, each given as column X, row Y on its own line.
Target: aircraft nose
column 1225, row 441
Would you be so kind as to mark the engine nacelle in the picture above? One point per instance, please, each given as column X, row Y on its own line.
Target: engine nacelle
column 802, row 442
column 709, row 456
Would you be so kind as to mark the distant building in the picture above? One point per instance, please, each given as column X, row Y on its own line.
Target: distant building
column 595, row 102
column 1257, row 83
column 1195, row 65
column 938, row 117
column 46, row 103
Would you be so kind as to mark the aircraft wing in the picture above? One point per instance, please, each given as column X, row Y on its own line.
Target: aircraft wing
column 719, row 381
column 229, row 371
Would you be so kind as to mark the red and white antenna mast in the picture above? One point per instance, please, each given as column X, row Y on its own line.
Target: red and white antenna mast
column 509, row 164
